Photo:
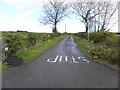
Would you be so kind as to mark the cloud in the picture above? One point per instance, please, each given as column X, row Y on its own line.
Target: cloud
column 22, row 4
column 25, row 13
column 20, row 8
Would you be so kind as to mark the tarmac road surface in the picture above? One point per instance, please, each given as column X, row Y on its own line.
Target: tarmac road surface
column 62, row 66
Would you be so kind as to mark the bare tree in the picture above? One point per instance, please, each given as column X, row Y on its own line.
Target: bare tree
column 54, row 12
column 106, row 14
column 94, row 14
column 85, row 11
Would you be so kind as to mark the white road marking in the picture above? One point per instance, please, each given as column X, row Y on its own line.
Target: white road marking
column 51, row 61
column 60, row 58
column 48, row 60
column 82, row 57
column 56, row 58
column 66, row 59
column 74, row 60
column 79, row 57
column 85, row 60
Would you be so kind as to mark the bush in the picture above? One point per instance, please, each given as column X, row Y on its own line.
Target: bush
column 97, row 37
column 19, row 41
column 101, row 51
column 110, row 55
column 82, row 35
column 112, row 40
column 13, row 42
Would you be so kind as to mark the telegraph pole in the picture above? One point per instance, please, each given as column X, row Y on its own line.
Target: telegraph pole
column 88, row 29
column 65, row 28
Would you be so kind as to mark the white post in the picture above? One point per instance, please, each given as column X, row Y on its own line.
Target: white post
column 88, row 31
column 65, row 28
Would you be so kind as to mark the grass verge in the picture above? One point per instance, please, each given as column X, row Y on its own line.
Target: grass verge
column 33, row 52
column 37, row 50
column 101, row 53
column 4, row 67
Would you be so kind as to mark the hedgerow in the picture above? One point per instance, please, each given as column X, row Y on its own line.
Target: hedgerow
column 20, row 41
column 102, row 46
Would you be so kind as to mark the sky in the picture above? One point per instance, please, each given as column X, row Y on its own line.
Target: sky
column 23, row 15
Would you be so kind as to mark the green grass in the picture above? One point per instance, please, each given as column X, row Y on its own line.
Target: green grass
column 100, row 52
column 4, row 67
column 33, row 52
column 37, row 50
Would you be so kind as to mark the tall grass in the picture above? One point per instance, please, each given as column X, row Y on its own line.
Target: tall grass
column 103, row 50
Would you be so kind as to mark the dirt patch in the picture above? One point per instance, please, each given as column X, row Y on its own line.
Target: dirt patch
column 14, row 61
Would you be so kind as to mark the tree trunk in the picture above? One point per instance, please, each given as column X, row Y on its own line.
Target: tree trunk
column 55, row 27
column 86, row 26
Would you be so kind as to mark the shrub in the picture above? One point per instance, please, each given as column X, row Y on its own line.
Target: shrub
column 97, row 37
column 82, row 35
column 20, row 41
column 101, row 51
column 110, row 55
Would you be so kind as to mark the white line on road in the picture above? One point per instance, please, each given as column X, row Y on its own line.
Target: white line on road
column 48, row 60
column 85, row 60
column 74, row 60
column 60, row 58
column 56, row 58
column 66, row 59
column 82, row 57
column 79, row 57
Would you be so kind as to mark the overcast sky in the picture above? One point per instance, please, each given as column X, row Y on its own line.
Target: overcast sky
column 23, row 15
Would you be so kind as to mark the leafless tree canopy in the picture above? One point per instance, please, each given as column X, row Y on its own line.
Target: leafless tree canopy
column 107, row 12
column 94, row 14
column 54, row 12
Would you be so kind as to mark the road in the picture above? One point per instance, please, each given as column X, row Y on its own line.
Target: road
column 62, row 66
